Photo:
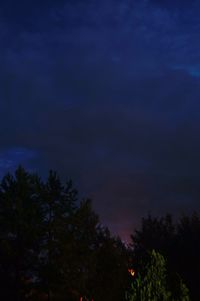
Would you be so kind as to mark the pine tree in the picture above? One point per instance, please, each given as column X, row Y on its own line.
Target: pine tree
column 20, row 220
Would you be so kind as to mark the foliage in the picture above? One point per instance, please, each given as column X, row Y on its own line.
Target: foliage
column 151, row 283
column 52, row 246
column 20, row 234
column 179, row 243
column 110, row 278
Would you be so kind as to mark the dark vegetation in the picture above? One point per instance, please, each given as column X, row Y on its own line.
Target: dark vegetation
column 53, row 247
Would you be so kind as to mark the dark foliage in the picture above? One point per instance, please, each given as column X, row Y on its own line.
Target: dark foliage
column 52, row 247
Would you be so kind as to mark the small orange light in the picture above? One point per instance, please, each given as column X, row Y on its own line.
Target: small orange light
column 132, row 272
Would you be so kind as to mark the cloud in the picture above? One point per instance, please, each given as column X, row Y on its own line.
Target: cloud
column 93, row 91
column 11, row 158
column 174, row 4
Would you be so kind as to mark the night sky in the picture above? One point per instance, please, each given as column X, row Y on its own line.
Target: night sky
column 106, row 92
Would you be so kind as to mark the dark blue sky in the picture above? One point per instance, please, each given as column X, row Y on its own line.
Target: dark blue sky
column 106, row 92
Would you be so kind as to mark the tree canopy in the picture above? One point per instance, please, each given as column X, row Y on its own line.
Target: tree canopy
column 52, row 245
column 151, row 283
column 179, row 243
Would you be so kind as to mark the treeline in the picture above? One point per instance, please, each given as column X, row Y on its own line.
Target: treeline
column 53, row 247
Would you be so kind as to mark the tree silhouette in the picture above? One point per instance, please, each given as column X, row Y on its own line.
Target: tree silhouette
column 52, row 246
column 20, row 220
